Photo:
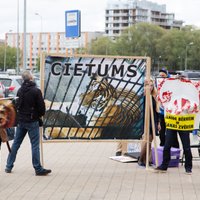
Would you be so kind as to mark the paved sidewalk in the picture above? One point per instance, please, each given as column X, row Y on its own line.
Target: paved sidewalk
column 83, row 171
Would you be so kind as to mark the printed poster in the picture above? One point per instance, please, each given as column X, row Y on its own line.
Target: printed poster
column 93, row 97
column 180, row 100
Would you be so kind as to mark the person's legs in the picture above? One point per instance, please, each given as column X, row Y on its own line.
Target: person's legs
column 34, row 135
column 162, row 131
column 175, row 143
column 121, row 148
column 170, row 137
column 185, row 139
column 142, row 158
column 20, row 134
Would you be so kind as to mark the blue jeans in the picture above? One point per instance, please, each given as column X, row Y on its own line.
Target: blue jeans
column 171, row 136
column 33, row 132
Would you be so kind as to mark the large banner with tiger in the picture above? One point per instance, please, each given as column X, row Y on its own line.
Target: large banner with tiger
column 90, row 97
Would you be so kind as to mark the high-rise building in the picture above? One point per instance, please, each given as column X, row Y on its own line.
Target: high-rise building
column 50, row 43
column 121, row 14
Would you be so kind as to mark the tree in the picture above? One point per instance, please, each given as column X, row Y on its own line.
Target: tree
column 172, row 49
column 140, row 40
column 101, row 46
column 10, row 61
column 2, row 57
column 167, row 48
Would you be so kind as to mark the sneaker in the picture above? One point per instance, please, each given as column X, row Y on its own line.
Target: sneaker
column 160, row 169
column 8, row 170
column 188, row 171
column 43, row 172
column 119, row 153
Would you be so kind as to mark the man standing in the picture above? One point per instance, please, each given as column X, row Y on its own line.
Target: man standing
column 30, row 107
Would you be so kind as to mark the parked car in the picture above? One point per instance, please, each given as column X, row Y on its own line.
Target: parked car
column 191, row 74
column 2, row 90
column 12, row 83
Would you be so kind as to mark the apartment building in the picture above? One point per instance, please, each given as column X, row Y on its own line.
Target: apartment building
column 51, row 43
column 121, row 14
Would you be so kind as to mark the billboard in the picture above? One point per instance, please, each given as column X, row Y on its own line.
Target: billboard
column 90, row 97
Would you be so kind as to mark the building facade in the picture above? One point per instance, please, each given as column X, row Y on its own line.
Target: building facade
column 122, row 14
column 50, row 43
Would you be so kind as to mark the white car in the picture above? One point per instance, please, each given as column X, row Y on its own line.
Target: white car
column 2, row 90
column 12, row 83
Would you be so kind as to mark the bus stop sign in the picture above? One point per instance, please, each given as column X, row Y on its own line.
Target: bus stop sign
column 72, row 23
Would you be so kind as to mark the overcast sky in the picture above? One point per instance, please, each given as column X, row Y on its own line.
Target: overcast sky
column 52, row 13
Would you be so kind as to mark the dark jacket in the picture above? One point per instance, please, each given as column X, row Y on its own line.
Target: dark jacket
column 30, row 105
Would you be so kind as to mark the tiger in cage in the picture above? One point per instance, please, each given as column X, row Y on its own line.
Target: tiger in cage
column 114, row 109
column 119, row 108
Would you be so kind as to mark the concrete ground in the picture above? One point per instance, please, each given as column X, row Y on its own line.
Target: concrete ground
column 83, row 171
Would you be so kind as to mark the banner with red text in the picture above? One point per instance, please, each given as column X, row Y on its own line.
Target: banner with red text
column 180, row 99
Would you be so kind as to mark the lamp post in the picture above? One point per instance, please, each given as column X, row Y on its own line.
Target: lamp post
column 17, row 61
column 159, row 58
column 5, row 51
column 186, row 53
column 24, row 52
column 40, row 48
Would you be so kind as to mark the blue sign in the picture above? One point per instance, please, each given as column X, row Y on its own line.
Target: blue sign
column 73, row 23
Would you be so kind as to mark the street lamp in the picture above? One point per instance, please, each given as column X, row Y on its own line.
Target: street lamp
column 40, row 48
column 5, row 51
column 24, row 52
column 17, row 61
column 159, row 58
column 186, row 52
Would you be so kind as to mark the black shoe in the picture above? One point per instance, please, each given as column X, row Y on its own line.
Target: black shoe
column 188, row 171
column 150, row 164
column 43, row 172
column 160, row 169
column 141, row 164
column 119, row 153
column 8, row 170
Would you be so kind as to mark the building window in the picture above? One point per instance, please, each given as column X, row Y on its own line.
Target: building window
column 116, row 11
column 116, row 31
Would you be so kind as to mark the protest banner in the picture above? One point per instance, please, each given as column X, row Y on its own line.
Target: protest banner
column 93, row 97
column 180, row 99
